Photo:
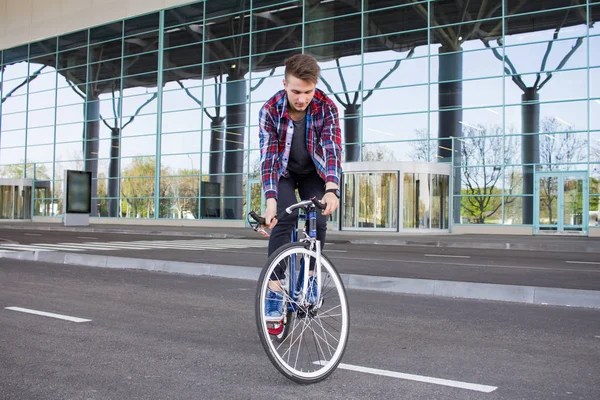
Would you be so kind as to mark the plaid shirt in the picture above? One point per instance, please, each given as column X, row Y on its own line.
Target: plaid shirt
column 323, row 139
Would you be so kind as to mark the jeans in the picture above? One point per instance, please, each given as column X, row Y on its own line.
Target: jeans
column 309, row 186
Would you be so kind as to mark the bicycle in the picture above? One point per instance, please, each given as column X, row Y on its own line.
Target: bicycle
column 322, row 322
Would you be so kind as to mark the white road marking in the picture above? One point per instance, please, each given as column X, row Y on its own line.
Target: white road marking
column 445, row 256
column 22, row 247
column 70, row 246
column 437, row 264
column 419, row 378
column 583, row 262
column 86, row 237
column 47, row 314
column 32, row 234
column 52, row 247
column 335, row 251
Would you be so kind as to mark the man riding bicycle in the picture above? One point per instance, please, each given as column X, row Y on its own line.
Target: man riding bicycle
column 300, row 148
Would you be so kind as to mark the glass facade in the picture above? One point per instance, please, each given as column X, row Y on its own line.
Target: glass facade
column 162, row 108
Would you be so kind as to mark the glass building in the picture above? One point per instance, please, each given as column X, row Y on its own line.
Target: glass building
column 162, row 109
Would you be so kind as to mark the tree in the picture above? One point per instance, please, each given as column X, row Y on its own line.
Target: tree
column 530, row 105
column 422, row 149
column 102, row 194
column 183, row 190
column 377, row 152
column 484, row 153
column 559, row 148
column 137, row 187
column 21, row 170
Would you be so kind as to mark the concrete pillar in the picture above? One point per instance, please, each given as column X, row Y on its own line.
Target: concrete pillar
column 113, row 173
column 234, row 147
column 92, row 133
column 530, row 147
column 450, row 99
column 352, row 132
column 215, row 163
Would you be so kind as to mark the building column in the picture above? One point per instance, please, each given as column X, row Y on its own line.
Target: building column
column 530, row 147
column 234, row 147
column 450, row 116
column 92, row 133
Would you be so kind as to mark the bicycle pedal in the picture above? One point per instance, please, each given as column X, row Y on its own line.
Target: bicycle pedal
column 275, row 328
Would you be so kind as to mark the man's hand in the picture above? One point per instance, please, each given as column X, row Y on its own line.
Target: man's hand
column 332, row 203
column 271, row 213
column 330, row 199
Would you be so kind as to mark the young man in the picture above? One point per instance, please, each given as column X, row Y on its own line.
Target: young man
column 300, row 147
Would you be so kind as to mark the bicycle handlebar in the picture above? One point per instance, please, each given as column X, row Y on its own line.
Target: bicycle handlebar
column 303, row 204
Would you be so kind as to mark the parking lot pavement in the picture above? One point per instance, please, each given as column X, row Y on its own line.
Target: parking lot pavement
column 168, row 336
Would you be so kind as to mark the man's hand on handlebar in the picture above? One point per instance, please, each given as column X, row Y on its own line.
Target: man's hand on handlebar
column 270, row 214
column 332, row 203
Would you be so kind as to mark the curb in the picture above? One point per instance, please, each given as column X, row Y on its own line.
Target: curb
column 332, row 238
column 464, row 290
column 476, row 245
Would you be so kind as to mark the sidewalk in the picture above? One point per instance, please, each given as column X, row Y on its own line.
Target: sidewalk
column 508, row 242
column 421, row 286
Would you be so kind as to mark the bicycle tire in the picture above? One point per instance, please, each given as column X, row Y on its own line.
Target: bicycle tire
column 333, row 312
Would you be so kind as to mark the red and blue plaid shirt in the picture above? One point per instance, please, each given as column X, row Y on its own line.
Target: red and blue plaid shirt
column 323, row 139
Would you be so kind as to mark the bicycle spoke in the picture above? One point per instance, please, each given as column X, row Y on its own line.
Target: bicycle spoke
column 313, row 337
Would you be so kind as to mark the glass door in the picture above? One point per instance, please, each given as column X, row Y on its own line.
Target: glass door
column 561, row 200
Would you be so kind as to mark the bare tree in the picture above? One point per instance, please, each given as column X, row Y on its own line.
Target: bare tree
column 484, row 153
column 530, row 103
column 422, row 149
column 560, row 147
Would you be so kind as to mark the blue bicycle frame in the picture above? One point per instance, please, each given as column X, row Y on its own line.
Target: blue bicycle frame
column 312, row 233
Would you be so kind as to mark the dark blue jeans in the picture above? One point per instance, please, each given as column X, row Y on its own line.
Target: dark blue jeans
column 308, row 187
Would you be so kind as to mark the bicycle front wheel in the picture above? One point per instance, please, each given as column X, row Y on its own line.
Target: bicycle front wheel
column 316, row 335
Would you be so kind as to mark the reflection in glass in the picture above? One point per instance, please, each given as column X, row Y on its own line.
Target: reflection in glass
column 366, row 200
column 594, row 211
column 439, row 202
column 417, row 203
column 573, row 203
column 349, row 201
column 548, row 202
column 386, row 190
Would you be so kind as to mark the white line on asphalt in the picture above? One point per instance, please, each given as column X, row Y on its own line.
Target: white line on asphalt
column 419, row 378
column 437, row 264
column 583, row 262
column 47, row 314
column 86, row 237
column 445, row 255
column 335, row 251
column 32, row 234
column 24, row 247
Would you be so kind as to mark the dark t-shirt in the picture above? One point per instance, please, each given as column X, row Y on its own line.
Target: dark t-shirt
column 300, row 161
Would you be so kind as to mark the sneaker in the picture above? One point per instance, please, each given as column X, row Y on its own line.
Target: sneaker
column 274, row 306
column 311, row 290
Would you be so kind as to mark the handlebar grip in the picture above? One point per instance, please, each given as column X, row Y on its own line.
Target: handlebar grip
column 257, row 218
column 318, row 204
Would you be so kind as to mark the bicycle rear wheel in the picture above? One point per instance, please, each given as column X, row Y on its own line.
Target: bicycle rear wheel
column 316, row 335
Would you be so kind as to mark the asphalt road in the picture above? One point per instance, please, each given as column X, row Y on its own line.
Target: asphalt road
column 569, row 270
column 168, row 336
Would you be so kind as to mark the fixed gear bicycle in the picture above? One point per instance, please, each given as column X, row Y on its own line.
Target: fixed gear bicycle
column 307, row 343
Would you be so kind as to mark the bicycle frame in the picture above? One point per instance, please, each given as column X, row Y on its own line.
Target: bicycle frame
column 310, row 230
column 304, row 273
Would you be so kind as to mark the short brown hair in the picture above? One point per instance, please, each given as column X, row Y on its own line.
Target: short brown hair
column 303, row 66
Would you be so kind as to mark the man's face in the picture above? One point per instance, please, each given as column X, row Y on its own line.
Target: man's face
column 299, row 93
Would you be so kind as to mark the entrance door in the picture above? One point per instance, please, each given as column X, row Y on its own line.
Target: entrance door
column 561, row 200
